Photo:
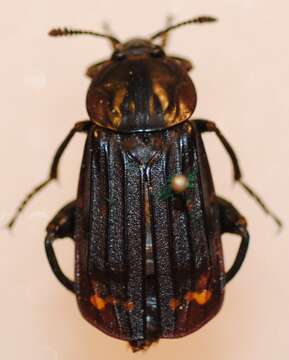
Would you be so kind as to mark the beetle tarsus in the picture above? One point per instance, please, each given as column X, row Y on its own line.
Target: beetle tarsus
column 26, row 200
column 261, row 203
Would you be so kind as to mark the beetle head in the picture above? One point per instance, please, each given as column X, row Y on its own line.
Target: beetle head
column 137, row 47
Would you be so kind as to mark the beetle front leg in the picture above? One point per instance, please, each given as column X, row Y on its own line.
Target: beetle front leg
column 234, row 223
column 208, row 126
column 81, row 126
column 61, row 226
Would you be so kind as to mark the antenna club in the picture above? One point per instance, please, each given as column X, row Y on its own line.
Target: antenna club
column 70, row 32
column 203, row 19
column 58, row 32
column 196, row 20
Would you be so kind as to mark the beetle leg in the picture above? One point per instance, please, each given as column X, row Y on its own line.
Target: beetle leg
column 53, row 174
column 206, row 126
column 234, row 223
column 61, row 226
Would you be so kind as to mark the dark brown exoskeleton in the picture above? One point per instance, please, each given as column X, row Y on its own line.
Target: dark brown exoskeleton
column 149, row 261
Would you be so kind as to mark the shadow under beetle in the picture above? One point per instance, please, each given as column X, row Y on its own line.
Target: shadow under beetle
column 146, row 221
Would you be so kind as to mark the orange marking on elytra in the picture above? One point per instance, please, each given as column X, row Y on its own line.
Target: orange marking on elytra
column 129, row 305
column 98, row 302
column 174, row 303
column 202, row 297
column 189, row 296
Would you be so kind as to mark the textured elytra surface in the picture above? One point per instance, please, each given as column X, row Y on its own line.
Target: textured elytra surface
column 114, row 290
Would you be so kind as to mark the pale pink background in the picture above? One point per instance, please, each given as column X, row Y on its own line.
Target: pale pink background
column 242, row 78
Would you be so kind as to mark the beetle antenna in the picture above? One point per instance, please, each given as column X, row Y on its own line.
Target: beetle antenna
column 68, row 32
column 197, row 20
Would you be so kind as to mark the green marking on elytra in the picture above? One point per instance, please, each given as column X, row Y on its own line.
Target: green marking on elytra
column 192, row 179
column 165, row 193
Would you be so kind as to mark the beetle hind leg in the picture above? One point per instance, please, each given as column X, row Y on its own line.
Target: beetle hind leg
column 234, row 223
column 61, row 226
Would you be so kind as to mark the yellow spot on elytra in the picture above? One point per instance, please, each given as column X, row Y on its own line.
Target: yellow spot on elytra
column 200, row 297
column 174, row 304
column 98, row 302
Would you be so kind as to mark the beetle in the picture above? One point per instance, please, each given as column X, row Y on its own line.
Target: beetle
column 146, row 220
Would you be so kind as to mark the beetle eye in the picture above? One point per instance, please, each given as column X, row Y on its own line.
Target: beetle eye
column 157, row 52
column 118, row 55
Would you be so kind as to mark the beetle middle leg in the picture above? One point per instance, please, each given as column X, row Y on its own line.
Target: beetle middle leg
column 208, row 126
column 61, row 226
column 234, row 223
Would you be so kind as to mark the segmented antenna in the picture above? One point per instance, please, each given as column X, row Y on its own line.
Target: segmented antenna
column 68, row 32
column 197, row 20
